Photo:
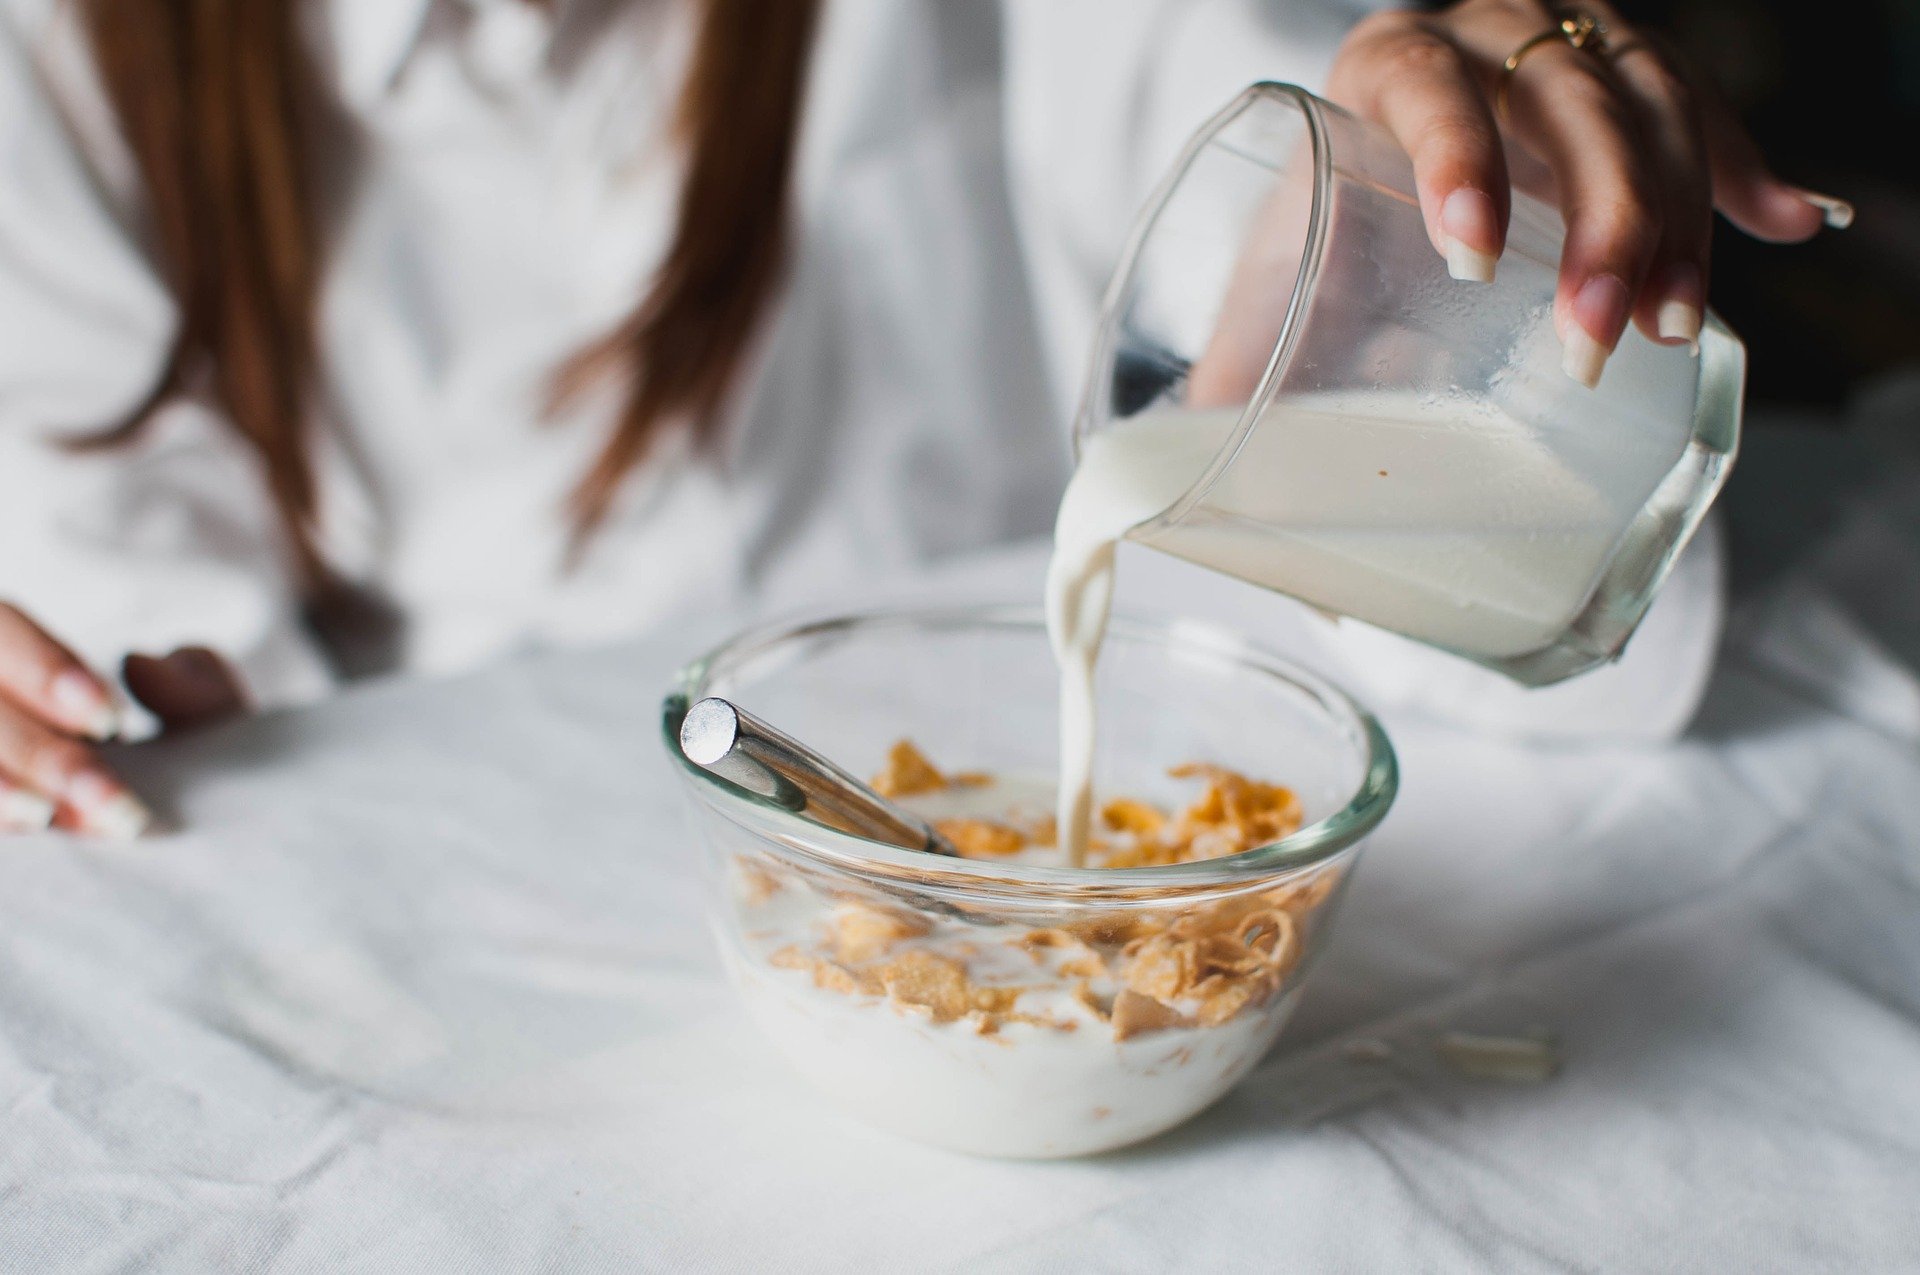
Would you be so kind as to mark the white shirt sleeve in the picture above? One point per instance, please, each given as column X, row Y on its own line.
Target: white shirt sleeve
column 169, row 540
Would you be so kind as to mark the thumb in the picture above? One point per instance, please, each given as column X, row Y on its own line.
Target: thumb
column 192, row 686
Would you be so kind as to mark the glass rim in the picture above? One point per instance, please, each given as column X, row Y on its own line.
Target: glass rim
column 1312, row 248
column 1309, row 847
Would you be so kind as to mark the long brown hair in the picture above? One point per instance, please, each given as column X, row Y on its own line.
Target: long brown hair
column 220, row 104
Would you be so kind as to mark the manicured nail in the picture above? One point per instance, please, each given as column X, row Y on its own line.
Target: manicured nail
column 122, row 818
column 1680, row 321
column 23, row 811
column 1598, row 312
column 85, row 704
column 1838, row 212
column 106, row 808
column 1680, row 316
column 1582, row 357
column 1467, row 218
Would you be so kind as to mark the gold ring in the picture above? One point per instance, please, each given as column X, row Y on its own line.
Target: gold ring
column 1579, row 30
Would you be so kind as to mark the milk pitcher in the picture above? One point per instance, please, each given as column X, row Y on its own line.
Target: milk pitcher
column 1383, row 441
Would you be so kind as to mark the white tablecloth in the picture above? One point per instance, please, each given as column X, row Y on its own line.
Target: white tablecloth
column 421, row 984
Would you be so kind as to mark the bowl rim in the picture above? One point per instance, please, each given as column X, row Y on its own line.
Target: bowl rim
column 1309, row 847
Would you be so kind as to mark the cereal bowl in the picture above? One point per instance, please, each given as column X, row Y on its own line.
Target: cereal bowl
column 1004, row 1004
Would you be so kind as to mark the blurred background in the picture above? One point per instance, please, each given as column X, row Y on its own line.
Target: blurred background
column 1832, row 90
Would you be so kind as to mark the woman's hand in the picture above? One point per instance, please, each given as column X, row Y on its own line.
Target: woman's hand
column 1639, row 151
column 50, row 707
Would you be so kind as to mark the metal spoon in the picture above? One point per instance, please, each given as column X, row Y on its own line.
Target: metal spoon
column 739, row 747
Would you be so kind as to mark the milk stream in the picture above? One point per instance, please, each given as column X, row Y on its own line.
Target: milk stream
column 1464, row 532
column 1126, row 475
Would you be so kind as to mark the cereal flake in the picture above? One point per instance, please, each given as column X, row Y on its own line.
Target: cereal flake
column 863, row 931
column 981, row 838
column 908, row 772
column 1135, row 1015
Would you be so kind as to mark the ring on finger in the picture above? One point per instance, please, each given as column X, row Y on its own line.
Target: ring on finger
column 1578, row 30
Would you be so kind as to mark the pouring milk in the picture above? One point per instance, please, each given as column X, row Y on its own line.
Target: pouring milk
column 1126, row 475
column 1469, row 535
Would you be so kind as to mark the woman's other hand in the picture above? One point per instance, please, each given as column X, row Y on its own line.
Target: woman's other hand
column 52, row 707
column 1640, row 150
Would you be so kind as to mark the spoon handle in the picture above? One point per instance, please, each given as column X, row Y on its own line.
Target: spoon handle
column 739, row 747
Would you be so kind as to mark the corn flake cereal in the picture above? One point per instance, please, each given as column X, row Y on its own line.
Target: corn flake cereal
column 1134, row 1015
column 908, row 772
column 755, row 883
column 980, row 838
column 1235, row 813
column 939, row 985
column 863, row 931
column 1137, row 971
column 1125, row 814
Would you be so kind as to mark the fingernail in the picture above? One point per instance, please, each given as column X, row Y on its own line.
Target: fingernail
column 1680, row 315
column 1598, row 313
column 1838, row 212
column 1469, row 264
column 122, row 818
column 23, row 811
column 1467, row 218
column 1582, row 357
column 106, row 808
column 85, row 704
column 1680, row 321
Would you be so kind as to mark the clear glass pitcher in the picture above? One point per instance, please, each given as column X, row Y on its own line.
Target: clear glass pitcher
column 1381, row 440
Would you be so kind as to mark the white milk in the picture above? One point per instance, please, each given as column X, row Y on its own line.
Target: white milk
column 1461, row 531
column 1027, row 1091
column 1126, row 476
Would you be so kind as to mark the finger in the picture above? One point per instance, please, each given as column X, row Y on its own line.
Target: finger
column 1745, row 189
column 1566, row 107
column 40, row 759
column 1671, row 306
column 45, row 678
column 23, row 810
column 193, row 686
column 1414, row 81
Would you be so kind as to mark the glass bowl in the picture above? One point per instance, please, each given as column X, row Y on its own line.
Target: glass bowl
column 978, row 1004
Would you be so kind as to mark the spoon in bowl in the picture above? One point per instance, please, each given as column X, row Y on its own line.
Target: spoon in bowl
column 737, row 746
